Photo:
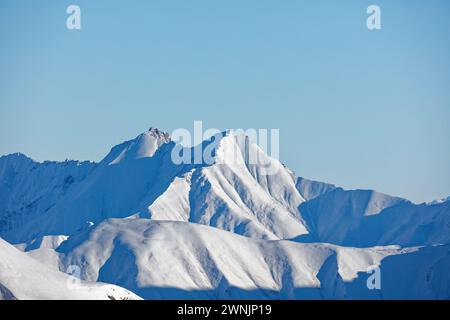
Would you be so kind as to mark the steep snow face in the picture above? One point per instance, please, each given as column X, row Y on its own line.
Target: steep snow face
column 162, row 259
column 368, row 218
column 59, row 213
column 116, row 187
column 334, row 215
column 29, row 188
column 269, row 174
column 143, row 146
column 45, row 242
column 22, row 277
column 231, row 191
column 408, row 224
column 310, row 189
column 235, row 193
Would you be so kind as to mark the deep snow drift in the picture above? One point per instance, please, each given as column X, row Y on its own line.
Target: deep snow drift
column 59, row 213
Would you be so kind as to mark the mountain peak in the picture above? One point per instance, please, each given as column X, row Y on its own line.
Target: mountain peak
column 159, row 134
column 143, row 146
column 15, row 155
column 14, row 161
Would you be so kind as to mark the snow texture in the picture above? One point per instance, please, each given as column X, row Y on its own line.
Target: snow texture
column 222, row 228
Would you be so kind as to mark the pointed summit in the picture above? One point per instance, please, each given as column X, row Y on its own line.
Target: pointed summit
column 159, row 134
column 143, row 146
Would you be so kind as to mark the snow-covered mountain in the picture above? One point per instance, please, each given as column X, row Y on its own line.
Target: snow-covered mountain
column 28, row 189
column 439, row 201
column 24, row 278
column 167, row 259
column 365, row 218
column 138, row 177
column 136, row 216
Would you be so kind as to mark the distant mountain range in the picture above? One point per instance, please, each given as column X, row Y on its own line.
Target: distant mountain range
column 221, row 229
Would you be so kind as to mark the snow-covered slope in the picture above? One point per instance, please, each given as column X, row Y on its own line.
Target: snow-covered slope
column 28, row 188
column 114, row 188
column 439, row 201
column 222, row 227
column 138, row 178
column 24, row 278
column 162, row 259
column 234, row 193
column 310, row 189
column 143, row 146
column 366, row 218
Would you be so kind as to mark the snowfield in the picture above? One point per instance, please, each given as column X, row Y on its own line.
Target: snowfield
column 165, row 259
column 210, row 230
column 22, row 277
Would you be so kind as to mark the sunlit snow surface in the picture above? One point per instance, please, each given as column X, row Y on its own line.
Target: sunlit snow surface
column 209, row 230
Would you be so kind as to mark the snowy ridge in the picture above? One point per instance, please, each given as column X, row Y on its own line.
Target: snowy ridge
column 234, row 195
column 365, row 218
column 239, row 197
column 28, row 188
column 143, row 146
column 310, row 189
column 221, row 228
column 162, row 259
column 439, row 201
column 24, row 278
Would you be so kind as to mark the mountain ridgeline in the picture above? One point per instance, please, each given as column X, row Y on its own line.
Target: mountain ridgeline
column 224, row 229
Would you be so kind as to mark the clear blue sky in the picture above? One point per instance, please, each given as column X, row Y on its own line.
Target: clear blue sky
column 359, row 108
